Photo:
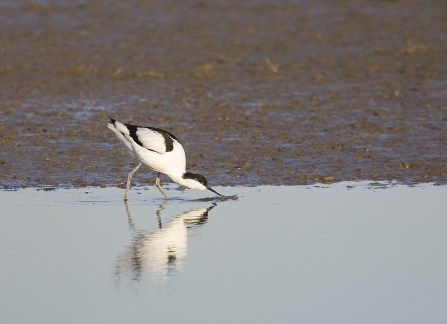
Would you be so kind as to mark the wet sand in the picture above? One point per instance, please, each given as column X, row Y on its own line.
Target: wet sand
column 259, row 92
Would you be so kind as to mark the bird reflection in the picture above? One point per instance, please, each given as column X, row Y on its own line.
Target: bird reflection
column 156, row 255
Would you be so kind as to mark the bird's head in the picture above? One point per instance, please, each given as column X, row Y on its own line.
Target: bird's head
column 197, row 181
column 194, row 181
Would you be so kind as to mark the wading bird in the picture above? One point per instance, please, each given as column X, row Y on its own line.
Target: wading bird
column 162, row 152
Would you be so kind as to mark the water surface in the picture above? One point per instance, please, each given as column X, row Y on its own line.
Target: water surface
column 344, row 253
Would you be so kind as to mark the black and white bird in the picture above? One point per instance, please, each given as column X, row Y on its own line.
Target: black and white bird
column 159, row 150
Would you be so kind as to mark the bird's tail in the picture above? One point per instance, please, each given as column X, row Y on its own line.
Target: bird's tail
column 111, row 124
column 117, row 127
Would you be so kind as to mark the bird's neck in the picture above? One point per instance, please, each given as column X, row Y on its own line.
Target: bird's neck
column 178, row 178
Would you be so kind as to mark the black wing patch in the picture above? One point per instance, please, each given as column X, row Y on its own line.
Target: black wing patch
column 133, row 133
column 169, row 143
column 168, row 137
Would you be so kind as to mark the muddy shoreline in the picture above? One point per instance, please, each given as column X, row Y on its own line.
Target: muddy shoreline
column 259, row 92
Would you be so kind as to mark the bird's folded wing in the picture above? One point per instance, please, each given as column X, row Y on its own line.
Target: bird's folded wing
column 149, row 139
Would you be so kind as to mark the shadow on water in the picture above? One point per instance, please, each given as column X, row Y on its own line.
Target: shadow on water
column 213, row 199
column 217, row 199
column 155, row 255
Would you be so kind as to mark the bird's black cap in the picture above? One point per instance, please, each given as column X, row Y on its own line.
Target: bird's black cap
column 198, row 177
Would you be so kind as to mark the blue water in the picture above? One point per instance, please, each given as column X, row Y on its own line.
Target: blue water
column 344, row 253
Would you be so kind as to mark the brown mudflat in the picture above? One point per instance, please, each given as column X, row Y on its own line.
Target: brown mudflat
column 259, row 92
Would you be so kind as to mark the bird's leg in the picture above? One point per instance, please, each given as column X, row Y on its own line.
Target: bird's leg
column 157, row 184
column 129, row 177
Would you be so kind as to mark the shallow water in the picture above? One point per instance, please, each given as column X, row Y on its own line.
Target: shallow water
column 344, row 253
